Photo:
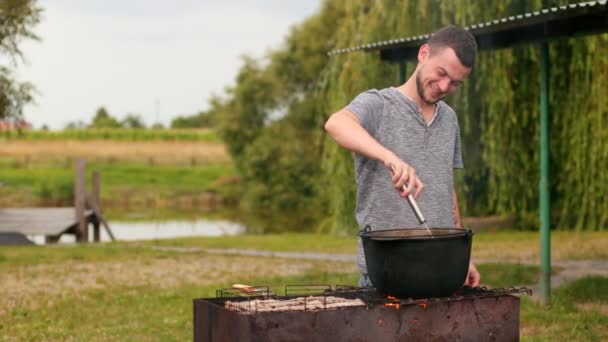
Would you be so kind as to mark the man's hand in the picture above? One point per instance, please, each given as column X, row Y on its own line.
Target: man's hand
column 473, row 276
column 403, row 174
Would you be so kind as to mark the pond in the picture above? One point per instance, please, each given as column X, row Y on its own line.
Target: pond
column 152, row 230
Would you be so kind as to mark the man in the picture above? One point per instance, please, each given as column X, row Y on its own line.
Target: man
column 406, row 139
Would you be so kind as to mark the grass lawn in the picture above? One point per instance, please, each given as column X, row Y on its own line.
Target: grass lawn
column 320, row 243
column 503, row 245
column 579, row 312
column 109, row 292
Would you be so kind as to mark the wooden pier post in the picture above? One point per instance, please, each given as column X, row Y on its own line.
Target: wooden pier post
column 97, row 199
column 82, row 234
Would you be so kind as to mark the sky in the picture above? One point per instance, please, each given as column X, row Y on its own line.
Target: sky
column 153, row 58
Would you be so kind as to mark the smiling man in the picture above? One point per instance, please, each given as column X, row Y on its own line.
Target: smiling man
column 408, row 136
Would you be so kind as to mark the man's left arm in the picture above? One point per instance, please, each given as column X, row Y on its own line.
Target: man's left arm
column 473, row 276
column 456, row 211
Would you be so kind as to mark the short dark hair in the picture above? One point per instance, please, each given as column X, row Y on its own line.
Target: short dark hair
column 458, row 39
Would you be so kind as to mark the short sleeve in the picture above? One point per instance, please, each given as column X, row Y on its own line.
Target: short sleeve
column 458, row 164
column 368, row 106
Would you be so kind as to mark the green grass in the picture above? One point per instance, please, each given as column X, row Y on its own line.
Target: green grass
column 152, row 313
column 11, row 256
column 575, row 314
column 508, row 275
column 123, row 183
column 122, row 134
column 122, row 174
column 270, row 242
column 505, row 245
column 143, row 176
column 525, row 245
column 586, row 290
column 138, row 313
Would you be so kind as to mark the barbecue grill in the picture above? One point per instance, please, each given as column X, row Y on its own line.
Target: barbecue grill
column 347, row 313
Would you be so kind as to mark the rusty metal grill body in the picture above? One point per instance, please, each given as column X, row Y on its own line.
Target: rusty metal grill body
column 471, row 314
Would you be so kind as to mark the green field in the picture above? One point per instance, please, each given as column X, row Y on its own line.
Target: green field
column 124, row 184
column 137, row 176
column 126, row 134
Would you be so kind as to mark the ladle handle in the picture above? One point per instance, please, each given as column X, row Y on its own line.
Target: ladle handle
column 412, row 201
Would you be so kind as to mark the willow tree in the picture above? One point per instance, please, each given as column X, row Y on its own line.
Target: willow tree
column 497, row 108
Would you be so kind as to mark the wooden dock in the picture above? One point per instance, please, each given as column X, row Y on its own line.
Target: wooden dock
column 49, row 222
column 16, row 223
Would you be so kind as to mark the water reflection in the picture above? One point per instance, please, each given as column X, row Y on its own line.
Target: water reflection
column 160, row 230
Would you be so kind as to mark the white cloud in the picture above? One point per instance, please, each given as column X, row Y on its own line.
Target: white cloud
column 128, row 59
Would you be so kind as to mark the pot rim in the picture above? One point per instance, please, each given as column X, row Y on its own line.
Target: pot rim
column 385, row 234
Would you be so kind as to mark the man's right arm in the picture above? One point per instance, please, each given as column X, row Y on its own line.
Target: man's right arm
column 346, row 129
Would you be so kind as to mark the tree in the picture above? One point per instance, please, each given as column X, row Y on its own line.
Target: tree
column 17, row 18
column 199, row 120
column 241, row 119
column 133, row 121
column 79, row 124
column 103, row 119
column 270, row 123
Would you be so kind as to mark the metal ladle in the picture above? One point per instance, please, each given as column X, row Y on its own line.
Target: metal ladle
column 415, row 208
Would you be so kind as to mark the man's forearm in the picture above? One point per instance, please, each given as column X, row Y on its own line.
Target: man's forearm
column 346, row 129
column 456, row 211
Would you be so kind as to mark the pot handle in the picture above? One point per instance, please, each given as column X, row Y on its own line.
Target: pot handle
column 367, row 229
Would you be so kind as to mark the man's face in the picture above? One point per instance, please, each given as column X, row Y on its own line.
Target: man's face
column 438, row 75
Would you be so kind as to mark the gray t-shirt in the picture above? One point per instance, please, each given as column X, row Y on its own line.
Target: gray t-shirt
column 433, row 150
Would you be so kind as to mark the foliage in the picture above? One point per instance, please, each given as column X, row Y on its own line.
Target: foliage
column 267, row 121
column 133, row 121
column 17, row 18
column 202, row 119
column 279, row 178
column 299, row 86
column 13, row 95
column 103, row 119
column 498, row 112
column 241, row 119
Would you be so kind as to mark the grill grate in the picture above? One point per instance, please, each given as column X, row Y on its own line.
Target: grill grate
column 321, row 297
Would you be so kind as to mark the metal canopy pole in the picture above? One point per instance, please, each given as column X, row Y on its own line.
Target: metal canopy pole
column 545, row 200
column 402, row 70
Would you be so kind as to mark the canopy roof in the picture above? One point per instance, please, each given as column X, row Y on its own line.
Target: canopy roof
column 547, row 24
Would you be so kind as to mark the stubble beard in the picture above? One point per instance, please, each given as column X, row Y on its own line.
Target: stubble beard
column 420, row 90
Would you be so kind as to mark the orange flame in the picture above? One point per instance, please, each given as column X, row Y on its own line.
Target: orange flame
column 393, row 305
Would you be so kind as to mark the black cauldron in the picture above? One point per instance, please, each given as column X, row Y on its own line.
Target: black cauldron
column 411, row 263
